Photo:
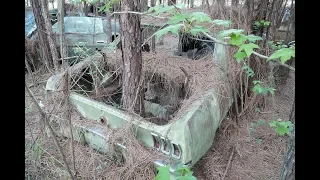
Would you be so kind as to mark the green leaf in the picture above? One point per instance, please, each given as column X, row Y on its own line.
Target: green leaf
column 163, row 173
column 253, row 38
column 230, row 31
column 225, row 23
column 200, row 17
column 172, row 28
column 266, row 23
column 178, row 18
column 198, row 29
column 259, row 141
column 156, row 10
column 237, row 39
column 257, row 23
column 248, row 48
column 248, row 70
column 239, row 56
column 271, row 90
column 282, row 130
column 260, row 122
column 284, row 54
column 252, row 124
column 273, row 123
column 256, row 82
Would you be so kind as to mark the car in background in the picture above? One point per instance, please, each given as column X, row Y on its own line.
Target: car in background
column 30, row 22
column 85, row 34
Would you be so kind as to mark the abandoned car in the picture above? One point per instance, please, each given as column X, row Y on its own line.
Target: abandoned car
column 83, row 35
column 183, row 140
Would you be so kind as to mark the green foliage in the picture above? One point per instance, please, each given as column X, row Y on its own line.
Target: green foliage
column 259, row 89
column 159, row 9
column 230, row 31
column 248, row 70
column 178, row 18
column 260, row 122
column 253, row 38
column 260, row 24
column 237, row 39
column 163, row 173
column 248, row 48
column 239, row 56
column 198, row 29
column 171, row 28
column 281, row 127
column 225, row 23
column 200, row 17
column 182, row 173
column 284, row 54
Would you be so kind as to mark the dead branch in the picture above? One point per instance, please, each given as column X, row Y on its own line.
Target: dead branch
column 225, row 172
column 45, row 119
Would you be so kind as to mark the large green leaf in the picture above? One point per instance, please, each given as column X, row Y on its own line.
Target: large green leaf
column 253, row 38
column 219, row 22
column 239, row 56
column 230, row 31
column 237, row 39
column 163, row 173
column 178, row 18
column 198, row 29
column 248, row 48
column 284, row 54
column 200, row 17
column 172, row 28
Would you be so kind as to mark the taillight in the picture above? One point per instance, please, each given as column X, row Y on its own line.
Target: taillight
column 166, row 146
column 176, row 151
column 156, row 141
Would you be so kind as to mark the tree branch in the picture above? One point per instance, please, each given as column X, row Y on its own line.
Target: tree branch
column 255, row 53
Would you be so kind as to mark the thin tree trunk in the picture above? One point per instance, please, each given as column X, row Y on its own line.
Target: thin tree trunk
column 109, row 29
column 288, row 168
column 53, row 49
column 132, row 58
column 171, row 2
column 144, row 5
column 208, row 7
column 44, row 45
column 192, row 3
column 153, row 3
column 63, row 52
column 29, row 69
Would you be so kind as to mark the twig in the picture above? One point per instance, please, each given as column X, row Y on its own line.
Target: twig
column 225, row 172
column 67, row 81
column 139, row 13
column 44, row 118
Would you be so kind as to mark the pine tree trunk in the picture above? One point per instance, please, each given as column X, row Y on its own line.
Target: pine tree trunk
column 288, row 168
column 41, row 31
column 63, row 52
column 53, row 49
column 153, row 3
column 132, row 58
column 144, row 5
column 171, row 2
